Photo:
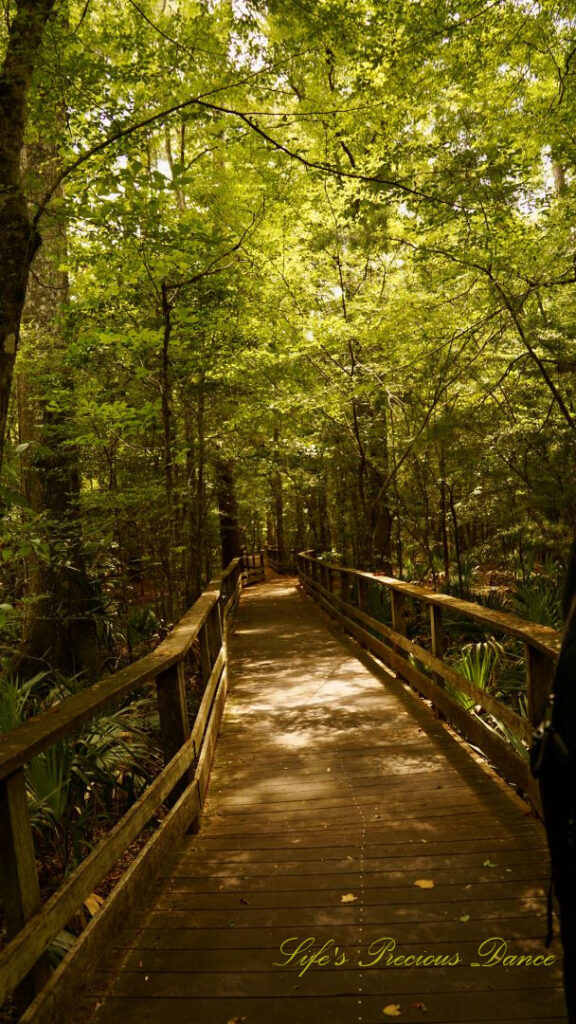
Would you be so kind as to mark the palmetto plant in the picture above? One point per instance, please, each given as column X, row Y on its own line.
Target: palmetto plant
column 478, row 663
column 539, row 600
column 16, row 698
column 83, row 782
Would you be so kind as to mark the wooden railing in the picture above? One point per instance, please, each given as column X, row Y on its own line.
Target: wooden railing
column 281, row 561
column 253, row 570
column 344, row 594
column 182, row 785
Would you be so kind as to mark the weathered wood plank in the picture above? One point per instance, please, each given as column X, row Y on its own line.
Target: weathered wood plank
column 19, row 886
column 514, row 768
column 33, row 927
column 19, row 745
column 173, row 711
column 58, row 1000
column 342, row 1009
column 544, row 638
column 521, row 728
column 302, row 810
column 33, row 938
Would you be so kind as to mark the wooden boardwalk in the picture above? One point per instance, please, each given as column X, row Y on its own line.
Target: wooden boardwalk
column 341, row 812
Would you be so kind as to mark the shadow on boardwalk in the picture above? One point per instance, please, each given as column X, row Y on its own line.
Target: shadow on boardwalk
column 340, row 812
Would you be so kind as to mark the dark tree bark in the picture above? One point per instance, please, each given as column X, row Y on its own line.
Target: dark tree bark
column 59, row 627
column 228, row 510
column 19, row 239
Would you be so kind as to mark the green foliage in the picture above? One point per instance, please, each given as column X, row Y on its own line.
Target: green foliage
column 350, row 272
column 538, row 597
column 16, row 699
column 478, row 663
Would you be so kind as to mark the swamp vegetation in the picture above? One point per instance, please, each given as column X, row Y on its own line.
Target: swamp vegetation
column 301, row 274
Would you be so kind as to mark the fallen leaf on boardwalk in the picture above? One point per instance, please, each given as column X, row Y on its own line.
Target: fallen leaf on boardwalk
column 424, row 883
column 420, row 1006
column 393, row 1010
column 348, row 897
column 238, row 1020
column 465, row 917
column 242, row 900
column 489, row 864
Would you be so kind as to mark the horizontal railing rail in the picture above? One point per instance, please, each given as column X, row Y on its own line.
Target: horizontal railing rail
column 182, row 784
column 344, row 592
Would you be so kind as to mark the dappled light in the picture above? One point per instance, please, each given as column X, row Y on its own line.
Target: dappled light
column 287, row 507
column 340, row 811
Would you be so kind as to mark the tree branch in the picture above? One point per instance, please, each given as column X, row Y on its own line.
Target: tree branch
column 325, row 168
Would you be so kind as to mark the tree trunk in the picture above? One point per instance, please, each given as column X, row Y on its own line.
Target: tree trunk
column 59, row 628
column 228, row 510
column 19, row 239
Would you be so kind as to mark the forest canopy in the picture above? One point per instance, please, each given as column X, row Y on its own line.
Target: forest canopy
column 301, row 273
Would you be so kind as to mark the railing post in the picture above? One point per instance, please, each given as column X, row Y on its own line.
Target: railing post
column 398, row 612
column 173, row 710
column 436, row 631
column 214, row 628
column 437, row 645
column 398, row 603
column 539, row 674
column 205, row 666
column 19, row 887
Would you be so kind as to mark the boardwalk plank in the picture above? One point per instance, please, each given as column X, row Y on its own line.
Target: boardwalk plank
column 329, row 781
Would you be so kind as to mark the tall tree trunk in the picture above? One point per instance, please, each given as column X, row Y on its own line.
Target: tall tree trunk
column 279, row 515
column 19, row 239
column 59, row 627
column 228, row 510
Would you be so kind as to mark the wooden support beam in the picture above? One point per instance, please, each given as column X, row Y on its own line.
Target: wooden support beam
column 30, row 926
column 19, row 887
column 539, row 675
column 205, row 667
column 214, row 631
column 437, row 643
column 174, row 720
column 398, row 613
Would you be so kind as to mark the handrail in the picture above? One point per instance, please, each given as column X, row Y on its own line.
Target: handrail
column 187, row 755
column 253, row 570
column 279, row 559
column 427, row 671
